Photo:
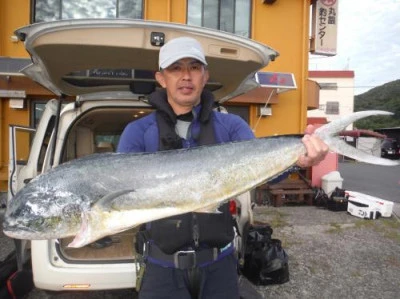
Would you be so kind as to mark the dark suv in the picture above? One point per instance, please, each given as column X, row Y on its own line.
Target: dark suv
column 390, row 148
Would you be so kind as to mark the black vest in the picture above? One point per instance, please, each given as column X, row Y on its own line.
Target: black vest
column 191, row 229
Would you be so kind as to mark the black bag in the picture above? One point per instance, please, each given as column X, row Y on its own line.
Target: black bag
column 19, row 284
column 265, row 261
column 14, row 283
column 276, row 267
column 7, row 267
column 338, row 200
column 320, row 198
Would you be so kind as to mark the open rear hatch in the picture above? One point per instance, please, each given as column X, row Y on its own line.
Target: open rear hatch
column 75, row 57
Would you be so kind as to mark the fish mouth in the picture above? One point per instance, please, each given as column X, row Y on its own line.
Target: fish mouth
column 16, row 231
column 13, row 228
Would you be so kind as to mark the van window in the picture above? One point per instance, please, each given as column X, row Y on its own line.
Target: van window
column 38, row 108
column 37, row 111
column 106, row 143
column 23, row 137
column 45, row 143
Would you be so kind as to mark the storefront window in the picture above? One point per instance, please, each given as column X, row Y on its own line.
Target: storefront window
column 242, row 111
column 332, row 107
column 225, row 15
column 38, row 108
column 51, row 10
column 37, row 112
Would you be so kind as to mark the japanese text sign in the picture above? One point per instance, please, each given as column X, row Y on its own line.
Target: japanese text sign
column 324, row 27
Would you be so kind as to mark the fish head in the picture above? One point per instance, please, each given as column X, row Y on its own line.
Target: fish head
column 39, row 215
column 29, row 226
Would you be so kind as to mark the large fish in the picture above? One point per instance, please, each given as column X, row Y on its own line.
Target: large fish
column 104, row 194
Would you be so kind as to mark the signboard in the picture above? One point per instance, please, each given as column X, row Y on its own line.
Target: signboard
column 324, row 27
column 281, row 81
column 110, row 73
column 114, row 74
column 5, row 93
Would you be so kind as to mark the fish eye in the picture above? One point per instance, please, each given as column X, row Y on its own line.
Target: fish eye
column 36, row 223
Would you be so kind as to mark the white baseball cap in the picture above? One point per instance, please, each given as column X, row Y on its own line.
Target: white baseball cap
column 178, row 48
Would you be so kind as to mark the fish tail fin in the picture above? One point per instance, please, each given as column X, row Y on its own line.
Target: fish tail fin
column 329, row 134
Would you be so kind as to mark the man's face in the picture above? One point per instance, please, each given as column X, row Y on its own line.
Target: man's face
column 184, row 81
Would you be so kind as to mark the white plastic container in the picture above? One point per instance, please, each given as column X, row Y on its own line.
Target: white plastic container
column 330, row 181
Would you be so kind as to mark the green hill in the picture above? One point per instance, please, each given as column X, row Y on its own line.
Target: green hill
column 385, row 97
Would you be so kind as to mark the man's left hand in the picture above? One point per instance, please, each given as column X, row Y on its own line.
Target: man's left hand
column 316, row 149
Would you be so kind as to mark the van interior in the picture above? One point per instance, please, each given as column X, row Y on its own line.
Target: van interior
column 98, row 131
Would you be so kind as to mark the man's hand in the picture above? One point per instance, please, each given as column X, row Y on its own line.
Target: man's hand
column 316, row 149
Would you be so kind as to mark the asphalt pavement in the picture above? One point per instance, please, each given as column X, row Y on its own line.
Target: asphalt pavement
column 374, row 180
column 331, row 254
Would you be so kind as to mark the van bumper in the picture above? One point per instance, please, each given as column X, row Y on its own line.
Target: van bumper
column 51, row 273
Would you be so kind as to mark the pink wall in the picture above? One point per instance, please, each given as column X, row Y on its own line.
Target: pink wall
column 330, row 163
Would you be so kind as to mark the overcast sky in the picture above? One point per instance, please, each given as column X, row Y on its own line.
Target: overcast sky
column 368, row 43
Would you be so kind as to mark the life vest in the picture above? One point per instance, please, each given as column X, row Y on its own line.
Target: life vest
column 194, row 230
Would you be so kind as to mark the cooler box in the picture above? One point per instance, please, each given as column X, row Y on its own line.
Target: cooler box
column 330, row 181
column 369, row 203
column 362, row 208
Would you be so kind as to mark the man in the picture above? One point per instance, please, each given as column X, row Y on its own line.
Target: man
column 190, row 255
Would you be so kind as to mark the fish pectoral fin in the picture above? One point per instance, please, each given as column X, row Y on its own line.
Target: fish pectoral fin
column 80, row 240
column 107, row 202
column 212, row 209
column 87, row 232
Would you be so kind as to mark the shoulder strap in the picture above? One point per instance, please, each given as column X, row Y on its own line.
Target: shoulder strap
column 206, row 118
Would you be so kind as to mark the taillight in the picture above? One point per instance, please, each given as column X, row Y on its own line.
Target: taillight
column 233, row 207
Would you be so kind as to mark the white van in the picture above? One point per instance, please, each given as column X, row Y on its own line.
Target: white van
column 109, row 65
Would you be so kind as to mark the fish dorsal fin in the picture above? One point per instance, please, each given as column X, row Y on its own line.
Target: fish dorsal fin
column 107, row 201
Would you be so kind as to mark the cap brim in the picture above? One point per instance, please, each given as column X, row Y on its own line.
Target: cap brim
column 174, row 59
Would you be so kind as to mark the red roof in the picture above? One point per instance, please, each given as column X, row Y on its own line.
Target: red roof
column 331, row 74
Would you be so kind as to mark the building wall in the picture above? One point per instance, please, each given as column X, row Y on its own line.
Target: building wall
column 13, row 14
column 290, row 38
column 167, row 11
column 283, row 26
column 344, row 93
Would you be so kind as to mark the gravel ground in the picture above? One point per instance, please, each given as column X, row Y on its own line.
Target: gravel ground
column 334, row 254
column 6, row 245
